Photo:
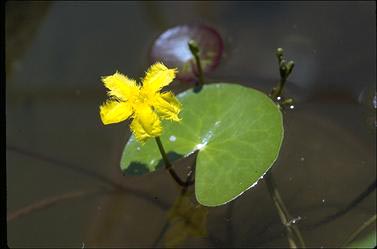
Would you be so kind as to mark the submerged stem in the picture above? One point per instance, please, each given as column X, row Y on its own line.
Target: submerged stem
column 293, row 233
column 169, row 166
column 194, row 49
column 360, row 229
column 292, row 230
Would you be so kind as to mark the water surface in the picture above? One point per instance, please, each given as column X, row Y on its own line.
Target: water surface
column 59, row 152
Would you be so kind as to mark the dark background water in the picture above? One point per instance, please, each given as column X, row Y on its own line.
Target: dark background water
column 64, row 184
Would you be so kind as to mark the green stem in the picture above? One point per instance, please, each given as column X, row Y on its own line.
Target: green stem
column 200, row 71
column 292, row 230
column 163, row 154
column 359, row 230
column 169, row 166
column 194, row 49
column 285, row 69
column 276, row 93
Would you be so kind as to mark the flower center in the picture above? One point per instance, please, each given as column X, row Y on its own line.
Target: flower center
column 146, row 97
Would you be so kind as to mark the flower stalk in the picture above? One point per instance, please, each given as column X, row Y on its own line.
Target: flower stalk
column 285, row 69
column 293, row 233
column 169, row 166
column 194, row 49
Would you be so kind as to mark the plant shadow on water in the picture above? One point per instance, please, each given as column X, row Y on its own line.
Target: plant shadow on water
column 137, row 168
column 186, row 218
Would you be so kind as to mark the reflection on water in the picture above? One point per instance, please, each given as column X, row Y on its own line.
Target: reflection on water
column 185, row 220
column 22, row 22
column 64, row 184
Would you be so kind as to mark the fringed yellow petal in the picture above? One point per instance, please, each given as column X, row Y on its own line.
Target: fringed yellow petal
column 158, row 76
column 168, row 106
column 121, row 86
column 115, row 112
column 144, row 103
column 146, row 124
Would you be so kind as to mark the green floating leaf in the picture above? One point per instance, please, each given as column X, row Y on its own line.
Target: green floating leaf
column 237, row 130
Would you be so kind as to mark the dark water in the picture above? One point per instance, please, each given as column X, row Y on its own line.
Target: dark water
column 64, row 184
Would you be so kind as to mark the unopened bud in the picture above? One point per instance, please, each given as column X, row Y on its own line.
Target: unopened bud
column 279, row 52
column 290, row 66
column 193, row 46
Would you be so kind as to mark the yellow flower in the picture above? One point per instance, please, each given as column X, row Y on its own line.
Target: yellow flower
column 143, row 103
